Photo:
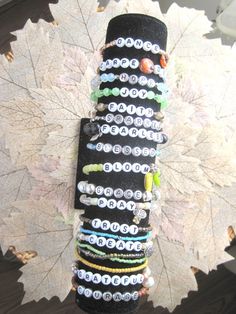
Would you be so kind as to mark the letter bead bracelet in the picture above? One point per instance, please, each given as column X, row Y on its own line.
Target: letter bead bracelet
column 129, row 120
column 90, row 188
column 97, row 223
column 145, row 65
column 138, row 44
column 130, row 109
column 132, row 93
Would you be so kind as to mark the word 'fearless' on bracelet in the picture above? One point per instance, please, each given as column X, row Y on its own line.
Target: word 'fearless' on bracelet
column 130, row 109
column 90, row 188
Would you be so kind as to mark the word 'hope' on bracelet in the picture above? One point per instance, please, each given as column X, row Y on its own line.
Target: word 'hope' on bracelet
column 130, row 109
column 125, row 150
column 102, row 202
column 145, row 65
column 125, row 92
column 90, row 188
column 138, row 44
column 129, row 120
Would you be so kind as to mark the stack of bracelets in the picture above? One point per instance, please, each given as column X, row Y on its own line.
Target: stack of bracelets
column 114, row 242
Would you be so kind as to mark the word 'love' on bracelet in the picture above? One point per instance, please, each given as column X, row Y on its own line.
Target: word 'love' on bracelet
column 120, row 260
column 138, row 44
column 125, row 150
column 115, row 280
column 125, row 92
column 131, row 79
column 112, row 270
column 105, row 225
column 129, row 120
column 120, row 245
column 108, row 296
column 115, row 236
column 130, row 109
column 145, row 65
column 102, row 202
column 90, row 188
column 96, row 130
column 116, row 167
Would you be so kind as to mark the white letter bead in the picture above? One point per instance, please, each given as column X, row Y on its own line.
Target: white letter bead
column 120, row 245
column 112, row 106
column 118, row 193
column 149, row 112
column 135, row 295
column 116, row 63
column 145, row 151
column 128, row 194
column 126, row 167
column 102, row 202
column 137, row 246
column 115, row 227
column 124, row 228
column 130, row 205
column 145, row 168
column 142, row 93
column 138, row 44
column 99, row 190
column 133, row 229
column 105, row 128
column 97, row 295
column 114, row 130
column 106, row 279
column 126, row 296
column 117, row 296
column 92, row 239
column 142, row 133
column 107, row 296
column 117, row 149
column 134, row 63
column 122, row 107
column 155, row 49
column 140, row 111
column 133, row 132
column 133, row 279
column 136, row 167
column 109, row 117
column 111, row 243
column 136, row 151
column 115, row 280
column 124, row 131
column 101, row 241
column 126, row 150
column 107, row 167
column 105, row 224
column 88, row 276
column 80, row 290
column 96, row 223
column 108, row 63
column 124, row 92
column 124, row 63
column 140, row 278
column 133, row 93
column 108, row 191
column 111, row 203
column 97, row 278
column 124, row 77
column 142, row 80
column 131, row 109
column 107, row 148
column 138, row 195
column 120, row 42
column 147, row 46
column 121, row 205
column 129, row 246
column 125, row 281
column 102, row 66
column 129, row 42
column 81, row 273
column 117, row 167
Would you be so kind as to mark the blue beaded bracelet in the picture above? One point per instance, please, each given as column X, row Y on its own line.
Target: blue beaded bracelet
column 108, row 235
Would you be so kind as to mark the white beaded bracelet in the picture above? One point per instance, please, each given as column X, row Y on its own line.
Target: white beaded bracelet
column 89, row 188
column 125, row 150
column 130, row 109
column 129, row 120
column 102, row 202
column 111, row 243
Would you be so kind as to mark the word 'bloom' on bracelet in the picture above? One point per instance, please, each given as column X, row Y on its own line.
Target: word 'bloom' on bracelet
column 130, row 109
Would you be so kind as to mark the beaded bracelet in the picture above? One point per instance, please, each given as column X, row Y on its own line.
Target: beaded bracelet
column 138, row 44
column 97, row 223
column 102, row 255
column 102, row 202
column 112, row 270
column 115, row 259
column 125, row 92
column 125, row 150
column 116, row 167
column 157, row 137
column 108, row 296
column 111, row 243
column 115, row 236
column 129, row 120
column 130, row 109
column 106, row 279
column 145, row 65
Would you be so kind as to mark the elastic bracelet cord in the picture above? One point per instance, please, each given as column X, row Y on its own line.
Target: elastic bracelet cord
column 114, row 259
column 114, row 236
column 112, row 270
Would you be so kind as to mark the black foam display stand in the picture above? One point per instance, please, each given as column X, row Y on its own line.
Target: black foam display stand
column 147, row 28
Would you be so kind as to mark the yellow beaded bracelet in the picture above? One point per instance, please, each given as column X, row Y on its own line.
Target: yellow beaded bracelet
column 112, row 270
